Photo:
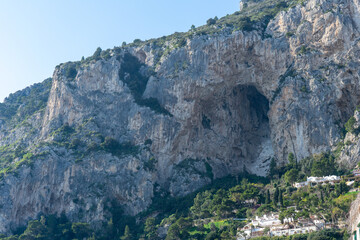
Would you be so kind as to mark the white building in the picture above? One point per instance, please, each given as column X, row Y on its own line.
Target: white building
column 272, row 223
column 266, row 221
column 318, row 180
column 292, row 231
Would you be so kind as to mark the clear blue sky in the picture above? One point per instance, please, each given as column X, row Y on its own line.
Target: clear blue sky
column 37, row 35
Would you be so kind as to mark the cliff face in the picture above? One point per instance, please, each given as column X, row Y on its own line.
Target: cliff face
column 354, row 217
column 121, row 126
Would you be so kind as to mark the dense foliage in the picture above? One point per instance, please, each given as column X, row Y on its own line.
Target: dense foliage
column 318, row 165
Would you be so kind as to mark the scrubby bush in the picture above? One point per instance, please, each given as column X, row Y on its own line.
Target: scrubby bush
column 97, row 54
column 71, row 72
column 210, row 21
column 349, row 125
column 119, row 149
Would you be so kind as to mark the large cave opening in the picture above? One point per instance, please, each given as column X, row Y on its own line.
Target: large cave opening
column 253, row 109
column 236, row 129
column 255, row 134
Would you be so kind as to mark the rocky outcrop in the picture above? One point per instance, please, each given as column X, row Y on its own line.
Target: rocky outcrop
column 354, row 218
column 349, row 149
column 120, row 123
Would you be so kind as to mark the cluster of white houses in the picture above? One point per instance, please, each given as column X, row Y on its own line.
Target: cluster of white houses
column 271, row 225
column 313, row 181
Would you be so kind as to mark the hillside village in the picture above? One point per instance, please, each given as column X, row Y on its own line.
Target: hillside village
column 273, row 224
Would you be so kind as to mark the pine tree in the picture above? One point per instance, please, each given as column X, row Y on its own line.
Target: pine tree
column 173, row 232
column 267, row 199
column 273, row 170
column 281, row 200
column 97, row 54
column 321, row 197
column 110, row 229
column 127, row 234
column 292, row 160
column 276, row 196
column 150, row 228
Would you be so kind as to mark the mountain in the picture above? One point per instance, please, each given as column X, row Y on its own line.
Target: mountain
column 171, row 115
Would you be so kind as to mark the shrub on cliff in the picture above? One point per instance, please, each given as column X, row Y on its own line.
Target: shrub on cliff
column 210, row 21
column 71, row 72
column 349, row 125
column 119, row 149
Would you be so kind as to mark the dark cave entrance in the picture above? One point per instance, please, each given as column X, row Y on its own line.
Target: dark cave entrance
column 255, row 134
column 236, row 119
column 256, row 105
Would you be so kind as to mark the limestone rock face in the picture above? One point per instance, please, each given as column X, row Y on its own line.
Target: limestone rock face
column 349, row 149
column 354, row 216
column 128, row 124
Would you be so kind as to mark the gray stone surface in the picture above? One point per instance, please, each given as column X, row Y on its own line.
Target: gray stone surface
column 236, row 101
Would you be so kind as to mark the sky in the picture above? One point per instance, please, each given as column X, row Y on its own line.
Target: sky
column 37, row 35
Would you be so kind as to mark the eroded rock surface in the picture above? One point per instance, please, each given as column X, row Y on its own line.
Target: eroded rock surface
column 117, row 128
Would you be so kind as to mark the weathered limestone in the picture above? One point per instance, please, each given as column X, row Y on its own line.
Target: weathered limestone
column 235, row 101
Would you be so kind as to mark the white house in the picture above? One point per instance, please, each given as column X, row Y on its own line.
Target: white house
column 318, row 180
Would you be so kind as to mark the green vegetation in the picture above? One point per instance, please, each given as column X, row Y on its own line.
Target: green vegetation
column 323, row 165
column 119, row 149
column 81, row 142
column 13, row 156
column 303, row 50
column 70, row 72
column 95, row 57
column 127, row 234
column 254, row 16
column 64, row 131
column 289, row 34
column 150, row 165
column 52, row 227
column 216, row 208
column 349, row 125
column 148, row 142
column 339, row 147
column 304, row 89
column 97, row 54
column 213, row 212
column 318, row 165
column 32, row 99
column 11, row 166
column 211, row 21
